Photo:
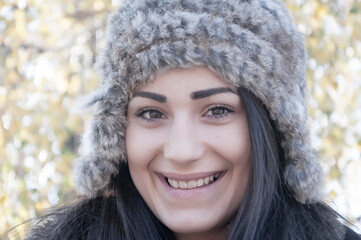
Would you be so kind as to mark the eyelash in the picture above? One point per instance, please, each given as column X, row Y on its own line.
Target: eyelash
column 227, row 111
column 141, row 112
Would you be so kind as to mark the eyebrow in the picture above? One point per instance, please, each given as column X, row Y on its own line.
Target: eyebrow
column 209, row 92
column 154, row 96
column 194, row 96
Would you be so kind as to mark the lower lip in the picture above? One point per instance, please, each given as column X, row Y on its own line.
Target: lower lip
column 190, row 193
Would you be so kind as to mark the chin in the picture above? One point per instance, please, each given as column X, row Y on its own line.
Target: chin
column 192, row 224
column 191, row 227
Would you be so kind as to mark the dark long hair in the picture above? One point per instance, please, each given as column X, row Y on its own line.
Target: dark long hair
column 267, row 211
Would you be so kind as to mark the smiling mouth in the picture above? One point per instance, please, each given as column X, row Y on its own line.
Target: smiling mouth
column 196, row 183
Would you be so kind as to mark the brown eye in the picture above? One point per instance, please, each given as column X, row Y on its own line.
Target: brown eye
column 218, row 112
column 150, row 115
column 154, row 114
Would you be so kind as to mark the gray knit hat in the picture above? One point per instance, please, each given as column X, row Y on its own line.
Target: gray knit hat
column 248, row 43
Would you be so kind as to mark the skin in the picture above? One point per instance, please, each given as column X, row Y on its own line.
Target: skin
column 175, row 133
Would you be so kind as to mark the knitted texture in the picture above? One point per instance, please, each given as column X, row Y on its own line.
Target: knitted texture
column 251, row 43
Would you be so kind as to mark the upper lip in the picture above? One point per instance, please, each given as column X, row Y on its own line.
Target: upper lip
column 188, row 177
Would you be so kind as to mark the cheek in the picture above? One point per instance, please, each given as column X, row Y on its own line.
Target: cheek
column 139, row 149
column 232, row 142
column 239, row 150
column 142, row 145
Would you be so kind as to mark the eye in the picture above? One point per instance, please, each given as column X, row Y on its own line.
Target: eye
column 218, row 112
column 150, row 115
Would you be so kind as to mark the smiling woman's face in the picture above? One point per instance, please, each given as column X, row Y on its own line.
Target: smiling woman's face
column 188, row 149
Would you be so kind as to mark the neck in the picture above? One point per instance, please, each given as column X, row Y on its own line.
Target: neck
column 217, row 234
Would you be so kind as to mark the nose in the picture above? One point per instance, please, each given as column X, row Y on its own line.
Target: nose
column 183, row 145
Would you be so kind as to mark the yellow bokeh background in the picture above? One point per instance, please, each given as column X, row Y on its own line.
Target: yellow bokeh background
column 47, row 52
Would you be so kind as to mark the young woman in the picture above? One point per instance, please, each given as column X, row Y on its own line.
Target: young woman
column 199, row 130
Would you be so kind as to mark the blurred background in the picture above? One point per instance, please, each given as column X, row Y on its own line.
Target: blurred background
column 47, row 52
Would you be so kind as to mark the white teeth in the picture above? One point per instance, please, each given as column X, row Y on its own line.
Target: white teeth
column 173, row 183
column 182, row 184
column 193, row 183
column 170, row 181
column 200, row 182
column 206, row 180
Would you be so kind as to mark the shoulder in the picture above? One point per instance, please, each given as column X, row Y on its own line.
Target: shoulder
column 314, row 221
column 325, row 223
column 81, row 220
column 65, row 221
column 351, row 235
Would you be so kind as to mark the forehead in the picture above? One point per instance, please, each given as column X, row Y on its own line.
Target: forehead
column 185, row 81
